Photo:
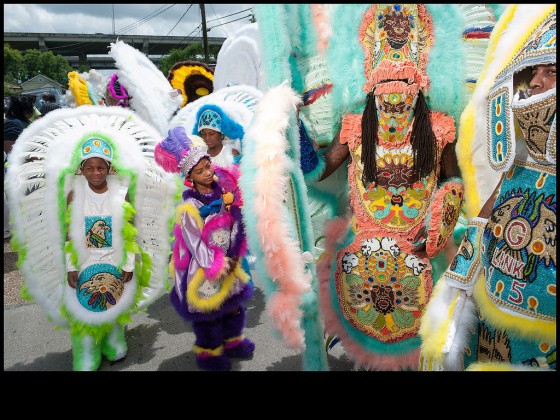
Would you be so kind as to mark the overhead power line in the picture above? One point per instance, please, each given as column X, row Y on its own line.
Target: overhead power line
column 222, row 24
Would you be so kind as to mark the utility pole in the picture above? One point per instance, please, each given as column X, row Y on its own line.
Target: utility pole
column 204, row 36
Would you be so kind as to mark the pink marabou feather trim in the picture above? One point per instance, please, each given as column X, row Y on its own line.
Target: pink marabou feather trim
column 322, row 25
column 219, row 265
column 165, row 159
column 284, row 310
column 281, row 254
column 335, row 231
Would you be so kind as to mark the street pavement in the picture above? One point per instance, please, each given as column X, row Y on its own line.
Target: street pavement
column 158, row 338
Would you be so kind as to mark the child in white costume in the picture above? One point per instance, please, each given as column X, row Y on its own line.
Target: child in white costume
column 91, row 215
column 95, row 202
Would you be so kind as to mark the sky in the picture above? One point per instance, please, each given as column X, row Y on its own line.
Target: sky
column 222, row 20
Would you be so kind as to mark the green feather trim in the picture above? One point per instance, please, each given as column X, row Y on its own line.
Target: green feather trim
column 145, row 273
column 20, row 249
column 498, row 9
column 275, row 43
column 69, row 249
column 24, row 294
column 97, row 331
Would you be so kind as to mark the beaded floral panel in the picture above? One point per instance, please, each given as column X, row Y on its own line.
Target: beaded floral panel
column 382, row 290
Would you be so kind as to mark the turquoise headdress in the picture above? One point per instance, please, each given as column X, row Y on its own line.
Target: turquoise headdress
column 96, row 147
column 210, row 119
column 215, row 117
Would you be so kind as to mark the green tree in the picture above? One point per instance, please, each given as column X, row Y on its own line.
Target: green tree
column 54, row 66
column 13, row 64
column 192, row 52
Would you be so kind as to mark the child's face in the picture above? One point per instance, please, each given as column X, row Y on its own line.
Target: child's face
column 202, row 174
column 95, row 170
column 212, row 138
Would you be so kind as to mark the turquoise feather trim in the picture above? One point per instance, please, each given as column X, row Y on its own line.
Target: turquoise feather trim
column 345, row 59
column 279, row 66
column 448, row 89
column 497, row 9
column 275, row 43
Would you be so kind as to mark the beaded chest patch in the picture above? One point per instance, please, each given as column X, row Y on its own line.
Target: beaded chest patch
column 381, row 289
column 518, row 245
column 98, row 232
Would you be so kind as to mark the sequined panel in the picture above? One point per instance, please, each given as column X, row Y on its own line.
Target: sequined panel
column 100, row 287
column 500, row 145
column 518, row 246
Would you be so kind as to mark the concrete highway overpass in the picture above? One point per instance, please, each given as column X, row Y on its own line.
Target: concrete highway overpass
column 92, row 49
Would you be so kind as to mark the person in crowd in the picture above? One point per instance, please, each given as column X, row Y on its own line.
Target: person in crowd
column 99, row 281
column 49, row 104
column 92, row 225
column 220, row 149
column 210, row 282
column 495, row 308
column 18, row 116
column 405, row 198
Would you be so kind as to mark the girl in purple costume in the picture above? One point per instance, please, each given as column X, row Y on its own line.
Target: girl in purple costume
column 210, row 283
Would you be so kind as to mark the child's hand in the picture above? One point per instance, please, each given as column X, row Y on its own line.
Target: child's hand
column 126, row 276
column 72, row 279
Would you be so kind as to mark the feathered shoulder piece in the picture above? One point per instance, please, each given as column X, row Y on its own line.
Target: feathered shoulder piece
column 42, row 170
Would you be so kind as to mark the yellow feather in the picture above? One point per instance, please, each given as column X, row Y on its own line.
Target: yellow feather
column 78, row 87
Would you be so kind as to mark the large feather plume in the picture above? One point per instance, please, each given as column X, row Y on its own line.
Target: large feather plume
column 239, row 60
column 151, row 94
